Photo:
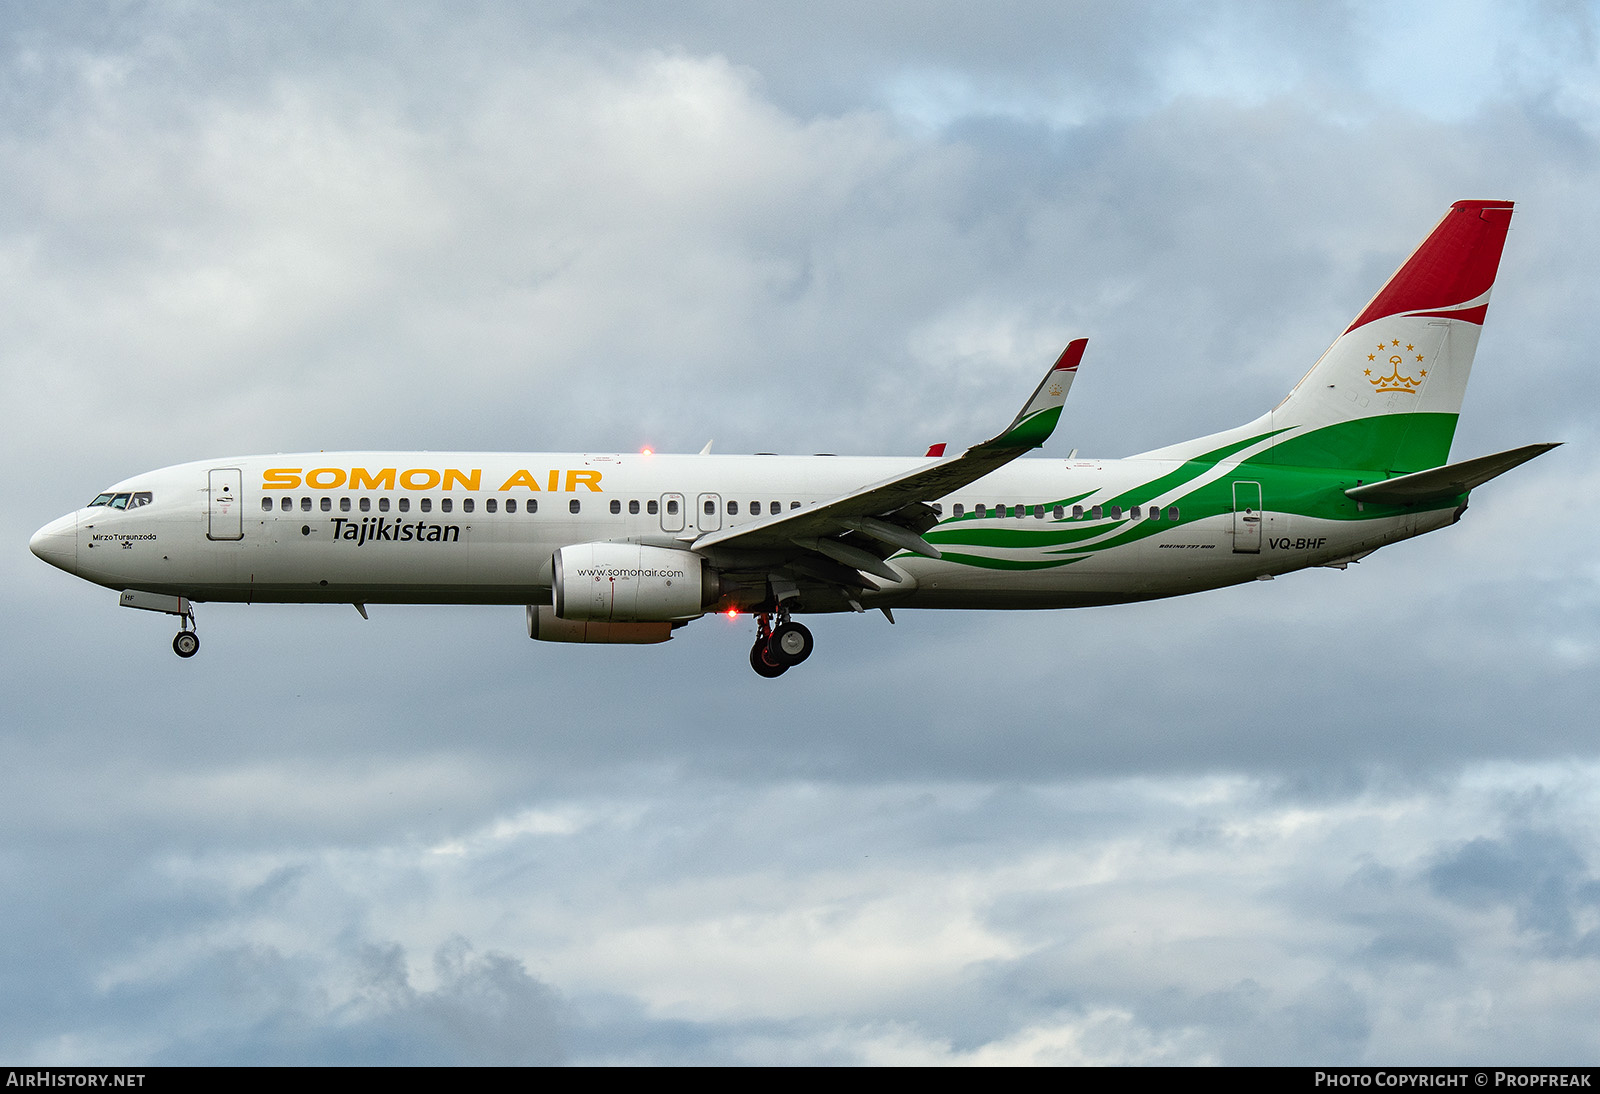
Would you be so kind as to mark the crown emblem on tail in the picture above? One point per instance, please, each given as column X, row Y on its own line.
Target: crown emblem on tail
column 1396, row 380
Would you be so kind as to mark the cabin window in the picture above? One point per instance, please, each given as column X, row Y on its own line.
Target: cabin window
column 511, row 505
column 1116, row 512
column 490, row 505
column 344, row 505
column 633, row 507
column 266, row 505
column 774, row 508
column 1077, row 512
column 733, row 509
column 405, row 505
column 573, row 506
column 1060, row 512
column 711, row 507
column 1096, row 513
column 1019, row 511
column 467, row 505
column 980, row 510
column 327, row 505
column 1133, row 513
column 938, row 509
column 425, row 504
column 533, row 506
column 366, row 505
column 383, row 505
column 794, row 505
column 1172, row 512
column 446, row 505
column 672, row 507
column 286, row 504
column 1038, row 511
column 650, row 507
column 305, row 505
column 616, row 507
column 957, row 509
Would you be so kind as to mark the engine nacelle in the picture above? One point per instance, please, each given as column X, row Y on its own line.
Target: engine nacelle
column 630, row 583
column 546, row 626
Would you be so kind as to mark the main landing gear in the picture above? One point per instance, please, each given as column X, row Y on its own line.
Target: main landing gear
column 778, row 648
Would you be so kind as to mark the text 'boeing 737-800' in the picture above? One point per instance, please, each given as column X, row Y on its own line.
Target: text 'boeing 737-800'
column 630, row 547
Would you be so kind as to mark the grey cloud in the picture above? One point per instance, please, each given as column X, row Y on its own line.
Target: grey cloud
column 1539, row 875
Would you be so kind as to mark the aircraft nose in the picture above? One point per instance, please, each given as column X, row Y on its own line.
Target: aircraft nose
column 57, row 543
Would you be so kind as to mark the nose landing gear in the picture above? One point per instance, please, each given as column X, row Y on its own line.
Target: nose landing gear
column 186, row 643
column 781, row 647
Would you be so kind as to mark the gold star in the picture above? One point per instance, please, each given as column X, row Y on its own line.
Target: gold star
column 1396, row 342
column 1381, row 346
column 1371, row 357
column 1419, row 356
column 1424, row 372
column 1367, row 371
column 1410, row 348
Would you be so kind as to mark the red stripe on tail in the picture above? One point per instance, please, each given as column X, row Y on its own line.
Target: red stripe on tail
column 1455, row 264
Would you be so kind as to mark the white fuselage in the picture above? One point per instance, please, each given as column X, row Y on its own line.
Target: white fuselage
column 481, row 528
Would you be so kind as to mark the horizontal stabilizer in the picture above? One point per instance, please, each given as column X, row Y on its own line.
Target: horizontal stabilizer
column 1447, row 481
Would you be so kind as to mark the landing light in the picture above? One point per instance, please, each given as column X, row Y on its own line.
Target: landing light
column 647, row 452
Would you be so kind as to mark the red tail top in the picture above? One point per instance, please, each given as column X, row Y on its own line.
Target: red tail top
column 1455, row 264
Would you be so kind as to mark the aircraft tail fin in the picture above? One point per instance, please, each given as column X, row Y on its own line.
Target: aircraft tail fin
column 1387, row 394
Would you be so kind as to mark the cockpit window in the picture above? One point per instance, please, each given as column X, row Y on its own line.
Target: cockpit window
column 120, row 501
column 100, row 499
column 140, row 497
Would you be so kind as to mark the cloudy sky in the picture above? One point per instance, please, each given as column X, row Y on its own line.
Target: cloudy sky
column 1341, row 817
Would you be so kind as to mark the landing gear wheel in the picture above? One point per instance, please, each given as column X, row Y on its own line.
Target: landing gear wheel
column 186, row 644
column 791, row 643
column 759, row 660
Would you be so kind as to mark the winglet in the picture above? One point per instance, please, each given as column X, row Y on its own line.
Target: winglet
column 935, row 450
column 1037, row 420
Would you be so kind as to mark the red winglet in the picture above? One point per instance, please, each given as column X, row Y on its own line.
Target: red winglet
column 1454, row 265
column 1071, row 356
column 936, row 449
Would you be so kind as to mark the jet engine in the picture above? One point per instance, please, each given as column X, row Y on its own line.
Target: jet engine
column 631, row 583
column 546, row 626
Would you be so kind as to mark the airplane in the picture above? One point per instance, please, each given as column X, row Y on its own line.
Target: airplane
column 628, row 548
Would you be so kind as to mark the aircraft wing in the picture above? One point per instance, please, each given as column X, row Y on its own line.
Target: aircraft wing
column 859, row 529
column 1446, row 481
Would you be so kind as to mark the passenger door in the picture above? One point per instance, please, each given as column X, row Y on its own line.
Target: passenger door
column 1247, row 518
column 225, row 518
